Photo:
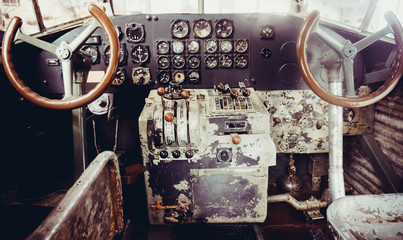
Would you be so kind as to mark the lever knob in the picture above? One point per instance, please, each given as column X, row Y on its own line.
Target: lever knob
column 236, row 139
column 169, row 117
column 161, row 91
column 185, row 94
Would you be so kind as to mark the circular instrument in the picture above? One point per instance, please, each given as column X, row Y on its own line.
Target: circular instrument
column 241, row 45
column 225, row 46
column 178, row 61
column 210, row 46
column 211, row 61
column 163, row 47
column 178, row 47
column 163, row 62
column 93, row 52
column 135, row 32
column 241, row 61
column 140, row 54
column 224, row 28
column 180, row 28
column 202, row 28
column 194, row 62
column 226, row 61
column 193, row 46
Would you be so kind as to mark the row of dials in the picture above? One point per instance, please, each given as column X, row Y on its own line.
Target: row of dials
column 194, row 61
column 193, row 76
column 210, row 46
column 202, row 28
column 139, row 54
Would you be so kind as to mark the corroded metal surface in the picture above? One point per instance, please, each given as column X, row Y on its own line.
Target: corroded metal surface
column 299, row 121
column 92, row 208
column 367, row 217
column 212, row 158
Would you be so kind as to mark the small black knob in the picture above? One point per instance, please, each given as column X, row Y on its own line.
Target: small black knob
column 176, row 153
column 163, row 154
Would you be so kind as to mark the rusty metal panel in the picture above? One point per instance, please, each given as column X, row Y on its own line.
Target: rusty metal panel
column 93, row 206
column 299, row 121
column 367, row 217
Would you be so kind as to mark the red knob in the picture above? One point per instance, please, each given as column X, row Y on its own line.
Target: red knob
column 161, row 91
column 169, row 117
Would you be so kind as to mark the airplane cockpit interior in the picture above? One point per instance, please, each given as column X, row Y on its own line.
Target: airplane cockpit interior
column 201, row 119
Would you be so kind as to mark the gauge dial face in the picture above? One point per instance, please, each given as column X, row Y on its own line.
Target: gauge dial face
column 211, row 61
column 225, row 46
column 93, row 52
column 120, row 77
column 224, row 28
column 202, row 28
column 241, row 61
column 135, row 32
column 194, row 76
column 194, row 62
column 140, row 54
column 164, row 76
column 178, row 61
column 193, row 46
column 210, row 46
column 226, row 61
column 163, row 62
column 241, row 45
column 266, row 32
column 163, row 47
column 179, row 76
column 180, row 29
column 141, row 76
column 122, row 54
column 178, row 47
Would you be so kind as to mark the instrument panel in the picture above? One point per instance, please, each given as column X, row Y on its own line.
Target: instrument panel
column 198, row 50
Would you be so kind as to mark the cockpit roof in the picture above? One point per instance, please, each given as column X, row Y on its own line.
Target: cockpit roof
column 42, row 17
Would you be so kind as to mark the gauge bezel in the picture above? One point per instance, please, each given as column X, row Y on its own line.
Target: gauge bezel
column 163, row 67
column 168, row 73
column 135, row 26
column 188, row 49
column 240, row 40
column 221, row 42
column 162, row 42
column 119, row 72
column 177, row 42
column 141, row 61
column 197, row 22
column 189, row 63
column 242, row 66
column 189, row 78
column 220, row 61
column 174, row 23
column 177, row 66
column 122, row 54
column 205, row 44
column 96, row 61
column 263, row 35
column 207, row 58
column 179, row 72
column 216, row 27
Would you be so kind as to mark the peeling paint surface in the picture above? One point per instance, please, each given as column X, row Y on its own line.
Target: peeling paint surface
column 206, row 176
column 367, row 216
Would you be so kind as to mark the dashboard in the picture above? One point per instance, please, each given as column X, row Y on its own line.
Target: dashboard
column 197, row 50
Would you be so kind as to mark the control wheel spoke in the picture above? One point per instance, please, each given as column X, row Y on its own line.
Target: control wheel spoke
column 35, row 42
column 348, row 70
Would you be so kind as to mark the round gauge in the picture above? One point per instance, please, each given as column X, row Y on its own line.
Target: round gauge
column 226, row 61
column 178, row 61
column 266, row 32
column 178, row 76
column 241, row 45
column 193, row 46
column 135, row 32
column 194, row 76
column 211, row 61
column 194, row 62
column 93, row 52
column 225, row 46
column 140, row 54
column 210, row 46
column 120, row 77
column 241, row 61
column 180, row 29
column 178, row 47
column 122, row 54
column 141, row 76
column 202, row 28
column 163, row 47
column 164, row 76
column 224, row 28
column 163, row 62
